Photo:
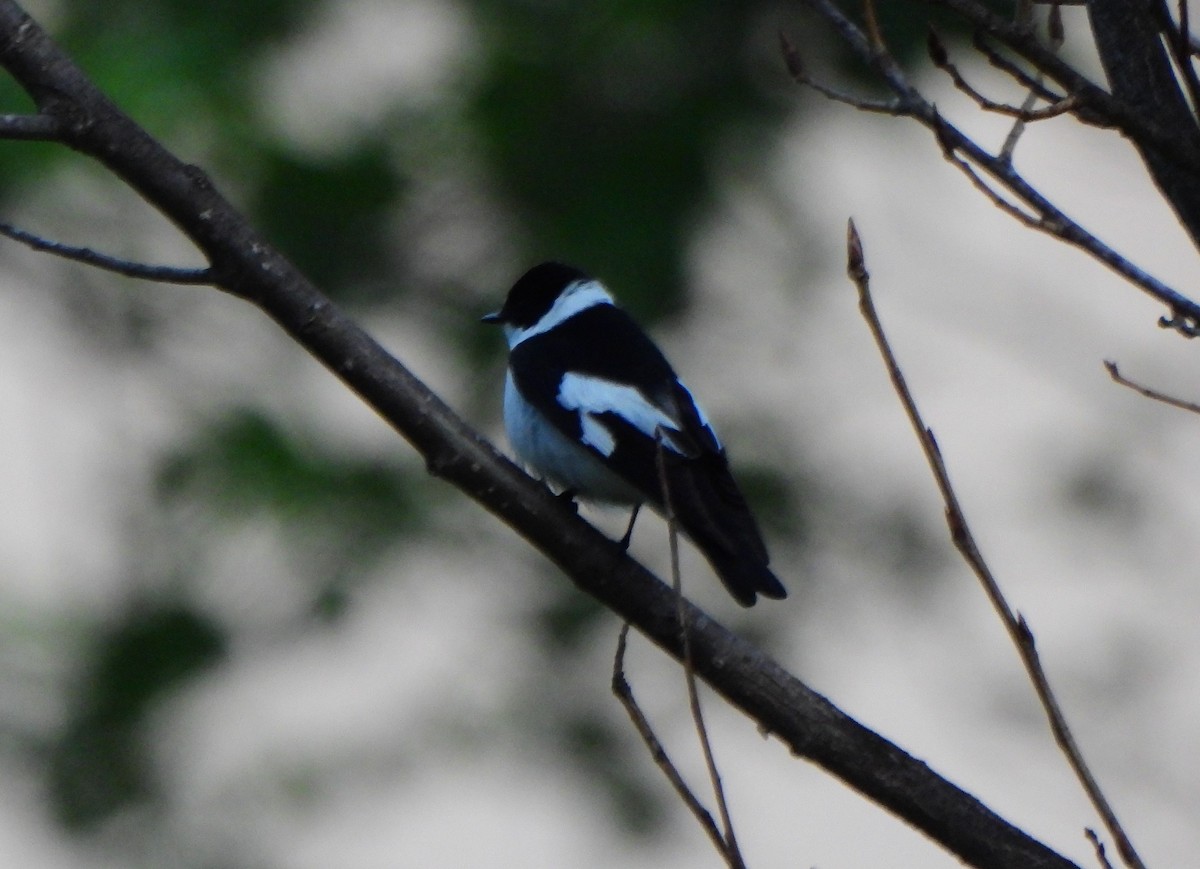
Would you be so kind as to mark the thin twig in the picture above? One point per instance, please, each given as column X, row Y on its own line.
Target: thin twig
column 1024, row 116
column 1014, row 135
column 1099, row 103
column 624, row 693
column 799, row 72
column 1185, row 313
column 1008, row 67
column 1033, row 221
column 1117, row 377
column 1098, row 847
column 1023, row 113
column 87, row 256
column 37, row 128
column 1054, row 25
column 1014, row 623
column 1179, row 38
column 731, row 852
column 1185, row 324
column 874, row 31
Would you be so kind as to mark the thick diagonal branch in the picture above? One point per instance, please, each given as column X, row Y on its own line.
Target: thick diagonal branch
column 244, row 264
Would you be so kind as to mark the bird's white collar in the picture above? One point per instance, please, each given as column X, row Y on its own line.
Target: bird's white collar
column 577, row 297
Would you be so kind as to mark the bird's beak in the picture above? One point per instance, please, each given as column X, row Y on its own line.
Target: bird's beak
column 491, row 319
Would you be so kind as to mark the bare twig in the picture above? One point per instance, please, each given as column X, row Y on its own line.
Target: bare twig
column 799, row 73
column 1014, row 623
column 624, row 693
column 1185, row 325
column 1054, row 223
column 965, row 153
column 87, row 256
column 724, row 839
column 1033, row 221
column 1096, row 101
column 1179, row 39
column 1117, row 377
column 1054, row 27
column 1024, row 112
column 1098, row 847
column 37, row 128
column 1009, row 68
column 1057, row 225
column 874, row 31
column 730, row 850
column 1006, row 151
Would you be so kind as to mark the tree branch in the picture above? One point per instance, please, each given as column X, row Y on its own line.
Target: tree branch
column 1118, row 377
column 730, row 849
column 1140, row 74
column 970, row 158
column 244, row 264
column 38, row 128
column 624, row 693
column 1058, row 105
column 1097, row 106
column 87, row 256
column 964, row 541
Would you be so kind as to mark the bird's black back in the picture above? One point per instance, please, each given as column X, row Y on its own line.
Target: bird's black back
column 604, row 342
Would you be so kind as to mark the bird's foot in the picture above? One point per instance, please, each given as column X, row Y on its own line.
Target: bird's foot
column 624, row 541
column 567, row 498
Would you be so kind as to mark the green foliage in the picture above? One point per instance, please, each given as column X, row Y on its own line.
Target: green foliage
column 332, row 216
column 339, row 515
column 165, row 61
column 247, row 464
column 600, row 125
column 101, row 762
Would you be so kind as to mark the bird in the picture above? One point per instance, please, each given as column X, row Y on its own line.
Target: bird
column 590, row 402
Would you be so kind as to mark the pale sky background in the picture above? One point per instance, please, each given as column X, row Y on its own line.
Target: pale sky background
column 340, row 748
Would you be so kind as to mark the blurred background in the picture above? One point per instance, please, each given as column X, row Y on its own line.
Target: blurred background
column 241, row 627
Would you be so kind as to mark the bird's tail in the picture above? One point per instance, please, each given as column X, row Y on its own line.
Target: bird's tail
column 745, row 578
column 711, row 510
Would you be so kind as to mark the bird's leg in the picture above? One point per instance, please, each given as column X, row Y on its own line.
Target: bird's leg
column 629, row 531
column 567, row 497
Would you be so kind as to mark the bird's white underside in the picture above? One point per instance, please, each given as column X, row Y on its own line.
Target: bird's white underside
column 558, row 458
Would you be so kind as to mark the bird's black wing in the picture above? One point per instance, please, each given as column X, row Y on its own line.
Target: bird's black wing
column 605, row 344
column 600, row 364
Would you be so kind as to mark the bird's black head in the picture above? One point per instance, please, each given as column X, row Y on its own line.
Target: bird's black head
column 534, row 292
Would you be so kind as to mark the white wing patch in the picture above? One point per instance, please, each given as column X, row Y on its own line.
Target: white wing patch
column 597, row 435
column 700, row 413
column 592, row 396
